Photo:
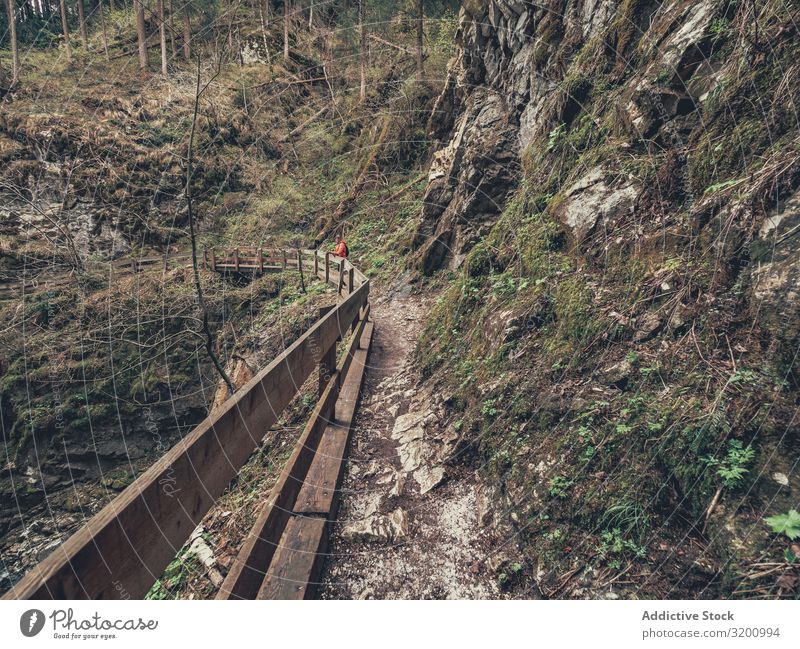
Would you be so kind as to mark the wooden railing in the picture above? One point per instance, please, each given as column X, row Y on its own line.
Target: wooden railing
column 123, row 549
column 325, row 265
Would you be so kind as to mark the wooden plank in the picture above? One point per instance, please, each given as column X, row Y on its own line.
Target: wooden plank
column 298, row 560
column 131, row 540
column 297, row 563
column 325, row 475
column 320, row 491
column 251, row 564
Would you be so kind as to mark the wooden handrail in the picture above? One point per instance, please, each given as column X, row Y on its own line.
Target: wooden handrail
column 125, row 547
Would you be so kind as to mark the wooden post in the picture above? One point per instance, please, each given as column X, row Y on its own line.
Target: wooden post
column 327, row 267
column 327, row 364
column 236, row 259
column 300, row 270
column 261, row 259
column 316, row 263
column 350, row 279
column 214, row 260
column 283, row 252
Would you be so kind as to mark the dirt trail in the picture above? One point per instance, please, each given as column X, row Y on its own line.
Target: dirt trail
column 408, row 526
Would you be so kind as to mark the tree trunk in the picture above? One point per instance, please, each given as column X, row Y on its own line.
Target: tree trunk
column 261, row 4
column 82, row 21
column 187, row 32
column 141, row 36
column 111, row 6
column 362, row 54
column 420, row 36
column 103, row 24
column 65, row 27
column 285, row 30
column 162, row 32
column 172, row 30
column 12, row 22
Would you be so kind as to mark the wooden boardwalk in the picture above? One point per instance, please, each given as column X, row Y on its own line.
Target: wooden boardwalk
column 241, row 260
column 133, row 538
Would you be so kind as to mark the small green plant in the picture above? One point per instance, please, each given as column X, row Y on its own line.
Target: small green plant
column 711, row 189
column 614, row 547
column 650, row 369
column 734, row 466
column 747, row 377
column 664, row 76
column 719, row 29
column 787, row 524
column 559, row 486
column 488, row 409
column 629, row 517
column 308, row 401
column 556, row 136
column 506, row 285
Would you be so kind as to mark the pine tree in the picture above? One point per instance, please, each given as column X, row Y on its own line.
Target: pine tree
column 103, row 25
column 141, row 36
column 82, row 21
column 420, row 36
column 286, row 30
column 187, row 31
column 362, row 54
column 162, row 32
column 65, row 27
column 12, row 23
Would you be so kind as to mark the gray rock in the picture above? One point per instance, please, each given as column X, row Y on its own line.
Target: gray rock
column 378, row 528
column 618, row 373
column 428, row 478
column 647, row 326
column 595, row 198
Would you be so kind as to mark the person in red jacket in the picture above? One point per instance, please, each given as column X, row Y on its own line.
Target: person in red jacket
column 341, row 248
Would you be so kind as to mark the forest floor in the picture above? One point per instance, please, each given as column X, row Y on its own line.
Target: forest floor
column 408, row 527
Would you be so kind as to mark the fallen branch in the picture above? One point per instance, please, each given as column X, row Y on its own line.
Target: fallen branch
column 296, row 130
column 389, row 44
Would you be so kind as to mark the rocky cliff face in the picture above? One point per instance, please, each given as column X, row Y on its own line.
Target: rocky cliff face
column 618, row 181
